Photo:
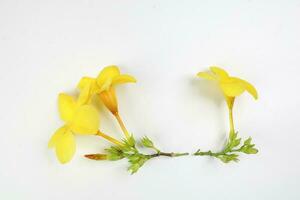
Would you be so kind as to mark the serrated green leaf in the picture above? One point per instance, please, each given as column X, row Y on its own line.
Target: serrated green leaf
column 134, row 158
column 127, row 149
column 248, row 141
column 235, row 143
column 232, row 135
column 131, row 141
column 114, row 150
column 250, row 150
column 232, row 142
column 134, row 168
column 114, row 153
column 146, row 142
column 226, row 158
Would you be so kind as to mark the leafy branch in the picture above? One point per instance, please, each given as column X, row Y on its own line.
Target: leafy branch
column 232, row 147
column 129, row 150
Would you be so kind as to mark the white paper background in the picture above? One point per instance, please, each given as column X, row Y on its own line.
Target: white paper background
column 46, row 46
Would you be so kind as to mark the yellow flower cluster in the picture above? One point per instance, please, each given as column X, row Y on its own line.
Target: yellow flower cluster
column 81, row 117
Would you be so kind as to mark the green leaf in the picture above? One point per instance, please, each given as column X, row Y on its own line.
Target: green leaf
column 232, row 135
column 142, row 161
column 248, row 141
column 226, row 158
column 114, row 150
column 235, row 143
column 126, row 149
column 250, row 150
column 134, row 158
column 131, row 141
column 114, row 153
column 146, row 142
column 232, row 142
column 134, row 168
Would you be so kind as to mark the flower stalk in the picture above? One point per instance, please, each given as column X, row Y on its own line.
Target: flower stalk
column 122, row 125
column 230, row 103
column 109, row 138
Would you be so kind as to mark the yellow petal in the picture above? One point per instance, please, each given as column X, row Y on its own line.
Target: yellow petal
column 85, row 95
column 232, row 87
column 87, row 81
column 206, row 75
column 84, row 81
column 108, row 72
column 65, row 147
column 86, row 120
column 221, row 73
column 249, row 87
column 106, row 85
column 124, row 78
column 66, row 106
column 56, row 136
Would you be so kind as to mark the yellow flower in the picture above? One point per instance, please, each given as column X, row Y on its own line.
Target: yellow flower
column 104, row 84
column 231, row 86
column 79, row 118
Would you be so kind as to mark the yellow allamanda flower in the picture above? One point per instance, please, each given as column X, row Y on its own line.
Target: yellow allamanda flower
column 231, row 87
column 79, row 118
column 103, row 86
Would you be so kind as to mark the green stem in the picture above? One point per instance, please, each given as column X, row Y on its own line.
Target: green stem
column 230, row 103
column 236, row 150
column 156, row 149
column 122, row 125
column 231, row 121
column 216, row 154
column 208, row 153
column 167, row 154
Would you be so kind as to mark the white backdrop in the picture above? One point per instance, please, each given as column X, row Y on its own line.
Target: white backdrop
column 46, row 46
